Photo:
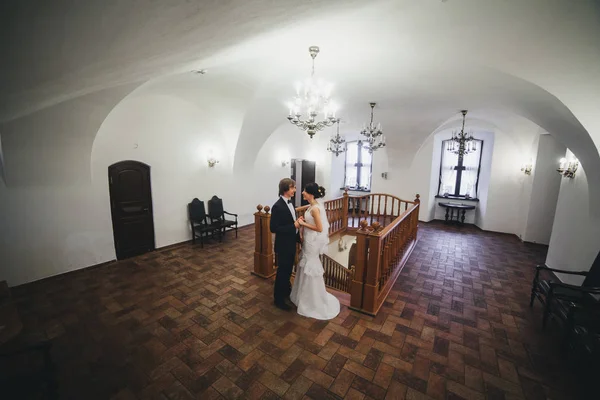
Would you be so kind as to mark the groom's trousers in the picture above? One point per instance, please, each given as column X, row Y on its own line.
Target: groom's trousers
column 285, row 263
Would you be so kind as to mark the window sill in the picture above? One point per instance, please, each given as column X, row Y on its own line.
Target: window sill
column 357, row 190
column 457, row 198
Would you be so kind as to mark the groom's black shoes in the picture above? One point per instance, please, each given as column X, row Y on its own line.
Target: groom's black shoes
column 282, row 305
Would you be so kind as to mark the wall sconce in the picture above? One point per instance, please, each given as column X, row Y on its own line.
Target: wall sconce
column 212, row 161
column 568, row 168
column 284, row 163
column 526, row 168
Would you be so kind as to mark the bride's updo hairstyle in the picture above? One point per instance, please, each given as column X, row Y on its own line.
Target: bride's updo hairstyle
column 315, row 190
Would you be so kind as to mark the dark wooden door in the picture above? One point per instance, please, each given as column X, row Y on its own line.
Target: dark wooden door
column 131, row 208
column 308, row 176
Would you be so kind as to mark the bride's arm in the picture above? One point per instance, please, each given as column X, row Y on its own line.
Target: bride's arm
column 316, row 213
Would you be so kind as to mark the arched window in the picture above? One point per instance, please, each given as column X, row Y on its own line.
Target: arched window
column 359, row 164
column 459, row 176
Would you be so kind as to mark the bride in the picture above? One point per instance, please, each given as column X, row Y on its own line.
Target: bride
column 309, row 293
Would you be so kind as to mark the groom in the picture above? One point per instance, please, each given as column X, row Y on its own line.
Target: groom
column 285, row 226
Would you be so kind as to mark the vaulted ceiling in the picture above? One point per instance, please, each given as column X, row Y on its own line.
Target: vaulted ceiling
column 400, row 51
column 422, row 61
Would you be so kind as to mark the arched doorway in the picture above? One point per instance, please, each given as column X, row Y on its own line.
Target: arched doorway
column 131, row 208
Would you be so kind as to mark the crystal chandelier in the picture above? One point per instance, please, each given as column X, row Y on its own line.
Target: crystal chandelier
column 373, row 133
column 312, row 99
column 337, row 144
column 462, row 143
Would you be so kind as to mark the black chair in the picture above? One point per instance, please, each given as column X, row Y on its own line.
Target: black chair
column 581, row 343
column 217, row 215
column 201, row 228
column 558, row 297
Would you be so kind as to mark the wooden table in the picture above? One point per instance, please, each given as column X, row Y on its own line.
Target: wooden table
column 461, row 209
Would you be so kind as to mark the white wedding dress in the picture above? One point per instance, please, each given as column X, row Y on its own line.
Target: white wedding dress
column 309, row 293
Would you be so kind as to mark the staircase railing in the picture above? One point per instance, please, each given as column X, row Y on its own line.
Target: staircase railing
column 386, row 228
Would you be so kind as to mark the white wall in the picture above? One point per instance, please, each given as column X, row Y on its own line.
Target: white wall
column 48, row 213
column 575, row 239
column 544, row 182
column 499, row 184
column 288, row 142
column 56, row 217
column 527, row 188
column 500, row 177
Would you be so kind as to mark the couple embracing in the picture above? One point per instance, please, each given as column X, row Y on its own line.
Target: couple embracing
column 312, row 230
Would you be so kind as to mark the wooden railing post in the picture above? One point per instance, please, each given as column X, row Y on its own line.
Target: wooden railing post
column 416, row 216
column 263, row 249
column 356, row 286
column 371, row 283
column 345, row 206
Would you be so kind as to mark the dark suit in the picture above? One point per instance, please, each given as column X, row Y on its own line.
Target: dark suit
column 282, row 225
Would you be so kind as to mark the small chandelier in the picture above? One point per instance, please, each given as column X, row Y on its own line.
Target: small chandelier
column 373, row 133
column 462, row 143
column 312, row 99
column 337, row 144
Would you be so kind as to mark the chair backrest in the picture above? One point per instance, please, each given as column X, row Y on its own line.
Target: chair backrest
column 196, row 211
column 593, row 277
column 215, row 208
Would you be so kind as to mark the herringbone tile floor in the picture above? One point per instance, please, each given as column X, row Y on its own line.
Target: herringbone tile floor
column 194, row 323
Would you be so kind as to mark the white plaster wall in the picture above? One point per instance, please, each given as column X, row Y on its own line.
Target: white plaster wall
column 575, row 239
column 504, row 187
column 527, row 187
column 49, row 216
column 420, row 175
column 288, row 142
column 173, row 137
column 62, row 223
column 545, row 186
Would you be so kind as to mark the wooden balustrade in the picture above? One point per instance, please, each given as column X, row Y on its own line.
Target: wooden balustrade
column 381, row 252
column 386, row 228
column 336, row 276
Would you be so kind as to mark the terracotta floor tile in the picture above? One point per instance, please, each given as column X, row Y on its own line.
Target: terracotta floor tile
column 193, row 321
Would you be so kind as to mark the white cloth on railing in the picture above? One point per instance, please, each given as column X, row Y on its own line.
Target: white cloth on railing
column 309, row 293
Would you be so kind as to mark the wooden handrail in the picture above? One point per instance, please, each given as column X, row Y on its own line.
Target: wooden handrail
column 381, row 248
column 381, row 254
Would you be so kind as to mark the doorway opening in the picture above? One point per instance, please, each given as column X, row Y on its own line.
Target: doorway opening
column 131, row 208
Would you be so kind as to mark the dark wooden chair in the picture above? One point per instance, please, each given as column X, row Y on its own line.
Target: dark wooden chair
column 558, row 297
column 216, row 213
column 581, row 342
column 201, row 228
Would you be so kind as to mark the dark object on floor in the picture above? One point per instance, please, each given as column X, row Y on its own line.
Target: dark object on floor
column 557, row 296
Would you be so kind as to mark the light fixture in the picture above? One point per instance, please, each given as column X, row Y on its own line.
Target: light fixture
column 284, row 163
column 212, row 160
column 462, row 143
column 312, row 98
column 526, row 168
column 568, row 168
column 373, row 133
column 337, row 144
